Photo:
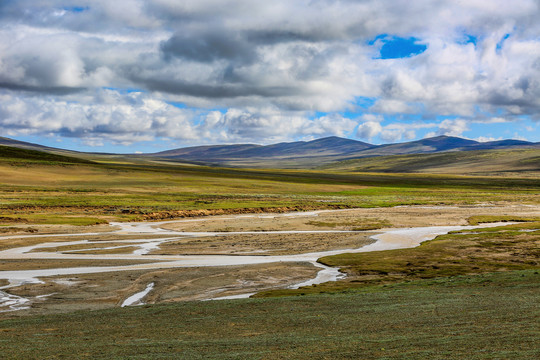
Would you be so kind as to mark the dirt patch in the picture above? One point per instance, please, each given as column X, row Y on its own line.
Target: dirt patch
column 162, row 215
column 52, row 229
column 7, row 219
column 34, row 264
column 91, row 248
column 12, row 230
column 267, row 244
column 13, row 242
column 106, row 290
column 402, row 216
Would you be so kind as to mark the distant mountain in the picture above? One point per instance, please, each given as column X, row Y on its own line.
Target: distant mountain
column 206, row 152
column 327, row 150
column 321, row 147
column 298, row 154
column 23, row 145
column 444, row 144
column 505, row 144
column 429, row 145
column 329, row 146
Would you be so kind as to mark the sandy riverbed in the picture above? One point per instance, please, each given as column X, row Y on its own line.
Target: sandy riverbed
column 210, row 257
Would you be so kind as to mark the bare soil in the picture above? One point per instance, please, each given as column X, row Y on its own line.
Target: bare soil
column 105, row 290
column 400, row 216
column 102, row 290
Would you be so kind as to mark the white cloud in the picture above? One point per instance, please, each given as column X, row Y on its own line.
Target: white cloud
column 391, row 106
column 368, row 130
column 487, row 138
column 372, row 117
column 265, row 65
column 126, row 119
column 453, row 127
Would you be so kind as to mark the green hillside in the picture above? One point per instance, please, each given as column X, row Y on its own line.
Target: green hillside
column 17, row 155
column 482, row 162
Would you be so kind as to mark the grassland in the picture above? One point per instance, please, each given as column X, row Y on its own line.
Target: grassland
column 42, row 190
column 21, row 157
column 506, row 248
column 467, row 295
column 518, row 162
column 490, row 316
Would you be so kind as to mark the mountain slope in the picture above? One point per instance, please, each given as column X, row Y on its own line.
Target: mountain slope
column 14, row 155
column 23, row 145
column 475, row 162
column 338, row 153
column 321, row 147
column 308, row 154
column 206, row 152
column 429, row 145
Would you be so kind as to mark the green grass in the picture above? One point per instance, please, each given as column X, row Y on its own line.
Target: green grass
column 17, row 156
column 506, row 248
column 110, row 191
column 43, row 184
column 490, row 316
column 356, row 225
column 496, row 162
column 53, row 219
column 481, row 219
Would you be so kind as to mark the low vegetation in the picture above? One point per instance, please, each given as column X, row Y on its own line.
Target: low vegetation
column 487, row 316
column 512, row 247
column 470, row 294
column 40, row 187
column 482, row 219
column 356, row 225
column 517, row 162
column 20, row 157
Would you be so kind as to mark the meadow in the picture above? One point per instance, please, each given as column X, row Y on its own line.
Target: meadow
column 55, row 189
column 491, row 316
column 470, row 294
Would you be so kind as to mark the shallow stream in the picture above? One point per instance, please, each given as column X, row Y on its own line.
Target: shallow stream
column 384, row 240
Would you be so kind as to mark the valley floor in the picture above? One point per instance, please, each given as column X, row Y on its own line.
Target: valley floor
column 211, row 257
column 490, row 316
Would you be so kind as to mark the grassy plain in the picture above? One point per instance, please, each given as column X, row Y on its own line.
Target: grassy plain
column 506, row 248
column 490, row 316
column 467, row 295
column 516, row 162
column 62, row 190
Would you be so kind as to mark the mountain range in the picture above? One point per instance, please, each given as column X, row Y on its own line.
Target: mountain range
column 327, row 150
column 301, row 154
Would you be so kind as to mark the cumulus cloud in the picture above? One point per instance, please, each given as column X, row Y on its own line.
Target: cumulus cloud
column 486, row 139
column 265, row 66
column 270, row 125
column 108, row 115
column 368, row 130
column 125, row 118
column 453, row 127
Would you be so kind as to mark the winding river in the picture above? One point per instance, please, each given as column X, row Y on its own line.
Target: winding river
column 384, row 240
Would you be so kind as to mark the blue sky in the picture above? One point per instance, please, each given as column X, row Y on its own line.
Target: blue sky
column 144, row 75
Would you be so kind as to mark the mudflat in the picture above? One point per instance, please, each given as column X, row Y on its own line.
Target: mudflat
column 265, row 237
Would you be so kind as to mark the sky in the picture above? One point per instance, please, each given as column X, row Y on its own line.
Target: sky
column 148, row 75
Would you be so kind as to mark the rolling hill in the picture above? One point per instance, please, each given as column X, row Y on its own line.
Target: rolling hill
column 475, row 162
column 15, row 155
column 327, row 150
column 441, row 154
column 329, row 146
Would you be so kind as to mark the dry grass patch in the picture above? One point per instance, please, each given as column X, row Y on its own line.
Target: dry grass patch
column 514, row 247
column 267, row 244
